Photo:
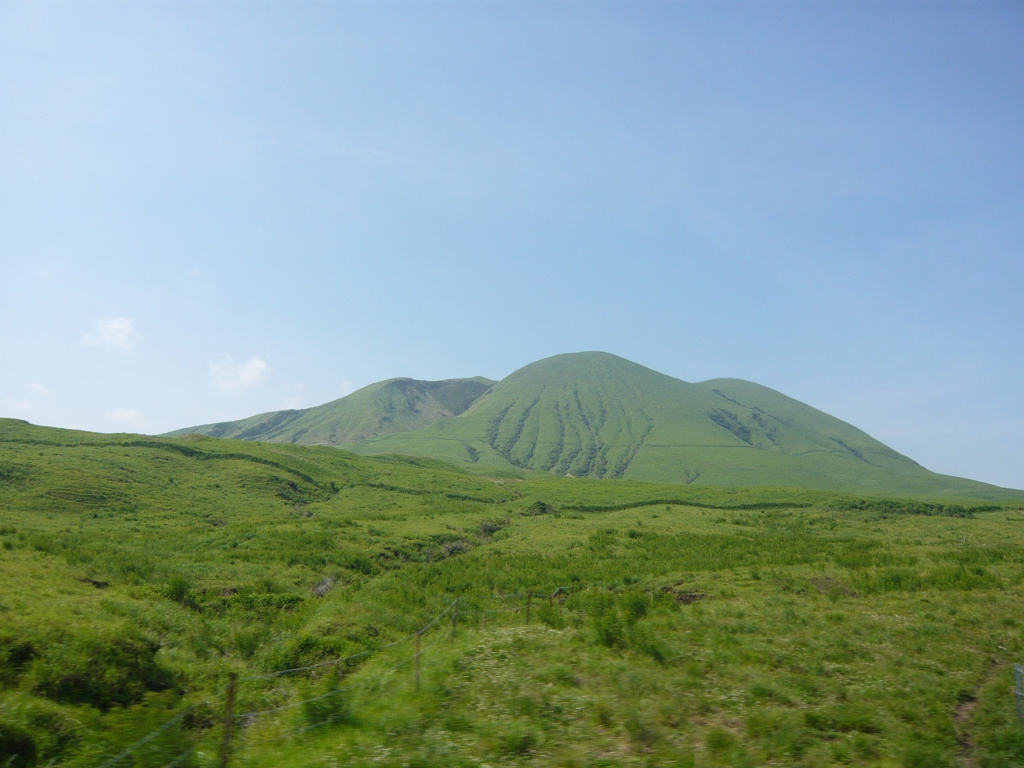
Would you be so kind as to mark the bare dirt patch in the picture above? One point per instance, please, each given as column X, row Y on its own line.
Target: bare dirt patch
column 963, row 715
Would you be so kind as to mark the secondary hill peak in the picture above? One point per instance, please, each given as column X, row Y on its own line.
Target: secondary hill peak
column 395, row 405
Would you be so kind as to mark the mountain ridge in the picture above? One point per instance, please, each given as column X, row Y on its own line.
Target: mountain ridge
column 400, row 404
column 597, row 415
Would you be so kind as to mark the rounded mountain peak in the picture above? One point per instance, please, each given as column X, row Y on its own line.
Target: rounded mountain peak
column 584, row 413
column 581, row 367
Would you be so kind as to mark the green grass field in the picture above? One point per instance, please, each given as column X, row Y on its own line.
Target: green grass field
column 698, row 626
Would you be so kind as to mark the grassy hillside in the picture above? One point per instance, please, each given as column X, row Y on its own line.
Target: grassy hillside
column 396, row 405
column 597, row 415
column 699, row 626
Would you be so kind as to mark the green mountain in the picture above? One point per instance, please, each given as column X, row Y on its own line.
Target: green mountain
column 596, row 415
column 600, row 416
column 395, row 405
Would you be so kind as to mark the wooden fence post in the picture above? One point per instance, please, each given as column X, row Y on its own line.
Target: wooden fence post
column 229, row 714
column 1018, row 686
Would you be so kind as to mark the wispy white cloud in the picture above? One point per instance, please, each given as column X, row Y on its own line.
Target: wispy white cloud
column 346, row 388
column 40, row 390
column 229, row 376
column 119, row 332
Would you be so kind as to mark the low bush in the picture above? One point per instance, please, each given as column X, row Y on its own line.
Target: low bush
column 327, row 703
column 99, row 670
column 34, row 730
column 17, row 746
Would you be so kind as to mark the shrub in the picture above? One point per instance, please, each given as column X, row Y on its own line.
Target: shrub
column 304, row 649
column 520, row 741
column 636, row 605
column 266, row 595
column 609, row 629
column 100, row 671
column 33, row 730
column 1005, row 748
column 491, row 527
column 923, row 754
column 16, row 651
column 328, row 703
column 720, row 741
column 540, row 508
column 559, row 674
column 17, row 746
column 553, row 616
column 180, row 591
column 641, row 731
column 644, row 640
column 247, row 641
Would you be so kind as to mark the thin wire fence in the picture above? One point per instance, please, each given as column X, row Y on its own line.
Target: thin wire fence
column 180, row 758
column 145, row 739
column 245, row 719
column 343, row 659
column 247, row 744
column 116, row 759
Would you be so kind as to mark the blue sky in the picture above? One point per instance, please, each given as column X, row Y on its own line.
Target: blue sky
column 211, row 210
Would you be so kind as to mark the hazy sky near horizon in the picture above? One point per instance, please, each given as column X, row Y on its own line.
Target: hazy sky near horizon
column 211, row 210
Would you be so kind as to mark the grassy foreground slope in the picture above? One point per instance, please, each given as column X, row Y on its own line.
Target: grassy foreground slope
column 701, row 626
column 597, row 415
column 395, row 405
